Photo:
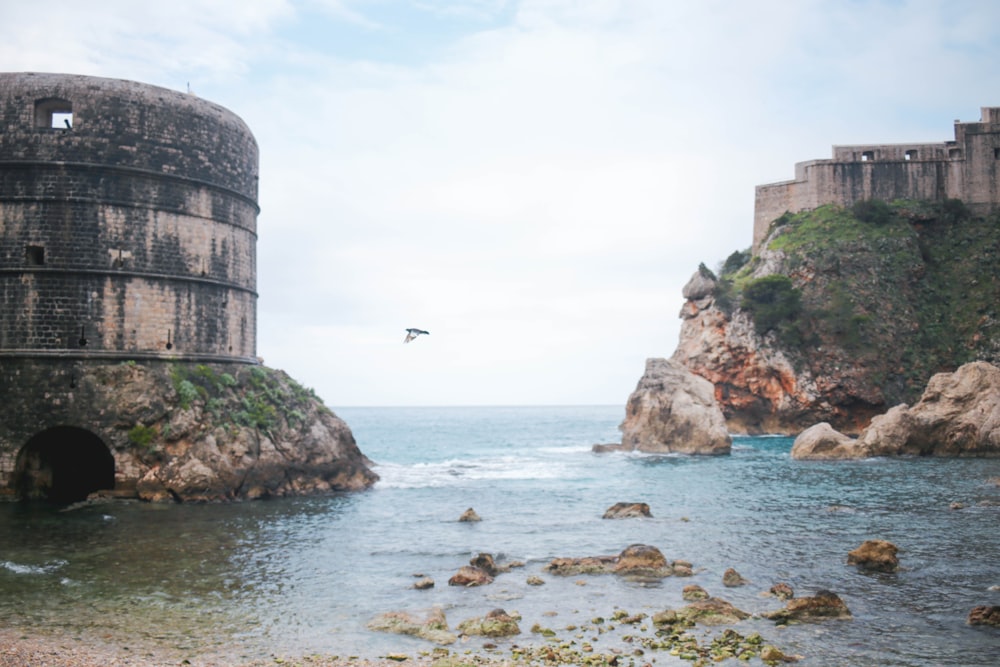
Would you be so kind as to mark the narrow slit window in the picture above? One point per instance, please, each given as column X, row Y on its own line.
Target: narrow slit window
column 996, row 153
column 34, row 255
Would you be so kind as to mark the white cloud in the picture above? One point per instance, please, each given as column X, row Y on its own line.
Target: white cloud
column 532, row 181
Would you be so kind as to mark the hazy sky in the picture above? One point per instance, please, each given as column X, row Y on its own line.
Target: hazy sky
column 532, row 181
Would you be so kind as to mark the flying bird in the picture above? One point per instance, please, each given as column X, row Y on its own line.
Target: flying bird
column 413, row 333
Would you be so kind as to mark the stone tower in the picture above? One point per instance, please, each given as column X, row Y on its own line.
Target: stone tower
column 128, row 220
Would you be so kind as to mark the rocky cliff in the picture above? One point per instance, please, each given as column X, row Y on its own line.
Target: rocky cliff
column 174, row 432
column 844, row 313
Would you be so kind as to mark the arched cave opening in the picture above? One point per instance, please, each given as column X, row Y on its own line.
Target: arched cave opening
column 64, row 464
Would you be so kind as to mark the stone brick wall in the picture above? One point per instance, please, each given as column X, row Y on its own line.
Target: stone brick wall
column 966, row 168
column 133, row 230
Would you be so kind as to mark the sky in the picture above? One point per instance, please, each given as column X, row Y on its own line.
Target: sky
column 531, row 181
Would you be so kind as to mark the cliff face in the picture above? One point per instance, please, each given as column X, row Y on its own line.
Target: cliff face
column 844, row 314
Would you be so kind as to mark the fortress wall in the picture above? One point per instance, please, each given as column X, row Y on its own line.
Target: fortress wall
column 967, row 168
column 136, row 224
column 128, row 316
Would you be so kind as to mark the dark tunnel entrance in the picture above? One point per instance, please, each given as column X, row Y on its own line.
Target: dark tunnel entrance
column 64, row 464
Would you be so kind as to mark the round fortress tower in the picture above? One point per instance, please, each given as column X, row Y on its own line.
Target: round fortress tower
column 127, row 223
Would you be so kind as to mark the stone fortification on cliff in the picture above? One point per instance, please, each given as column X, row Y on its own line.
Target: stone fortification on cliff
column 128, row 231
column 869, row 273
column 966, row 169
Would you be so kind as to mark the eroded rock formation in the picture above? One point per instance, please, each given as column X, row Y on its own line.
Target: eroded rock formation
column 673, row 411
column 958, row 415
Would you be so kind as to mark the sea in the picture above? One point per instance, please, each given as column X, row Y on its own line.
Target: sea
column 303, row 576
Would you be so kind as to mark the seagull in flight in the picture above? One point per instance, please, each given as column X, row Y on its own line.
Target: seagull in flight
column 413, row 333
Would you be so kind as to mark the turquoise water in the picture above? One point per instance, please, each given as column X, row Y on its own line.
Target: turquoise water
column 300, row 576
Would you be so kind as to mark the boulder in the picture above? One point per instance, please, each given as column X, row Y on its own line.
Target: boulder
column 672, row 410
column 875, row 556
column 636, row 560
column 782, row 591
column 958, row 415
column 732, row 579
column 710, row 611
column 469, row 575
column 822, row 442
column 627, row 511
column 694, row 592
column 642, row 560
column 700, row 286
column 486, row 563
column 568, row 567
column 469, row 516
column 985, row 615
column 824, row 605
column 432, row 626
column 497, row 623
column 423, row 583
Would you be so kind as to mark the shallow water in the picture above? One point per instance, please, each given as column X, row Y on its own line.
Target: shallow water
column 300, row 576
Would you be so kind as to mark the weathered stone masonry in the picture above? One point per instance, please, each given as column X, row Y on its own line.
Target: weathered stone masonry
column 130, row 234
column 128, row 218
column 966, row 168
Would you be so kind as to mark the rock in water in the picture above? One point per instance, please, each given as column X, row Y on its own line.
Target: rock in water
column 732, row 579
column 627, row 511
column 469, row 516
column 822, row 442
column 432, row 626
column 958, row 415
column 875, row 556
column 470, row 575
column 497, row 623
column 985, row 615
column 674, row 410
column 824, row 605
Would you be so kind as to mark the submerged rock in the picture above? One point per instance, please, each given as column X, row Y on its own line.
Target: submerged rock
column 710, row 611
column 497, row 623
column 627, row 511
column 732, row 579
column 875, row 556
column 694, row 592
column 782, row 591
column 423, row 583
column 636, row 560
column 985, row 615
column 672, row 410
column 469, row 516
column 432, row 626
column 824, row 605
column 470, row 575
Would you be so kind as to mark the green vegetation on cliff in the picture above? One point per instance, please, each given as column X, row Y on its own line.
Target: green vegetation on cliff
column 899, row 290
